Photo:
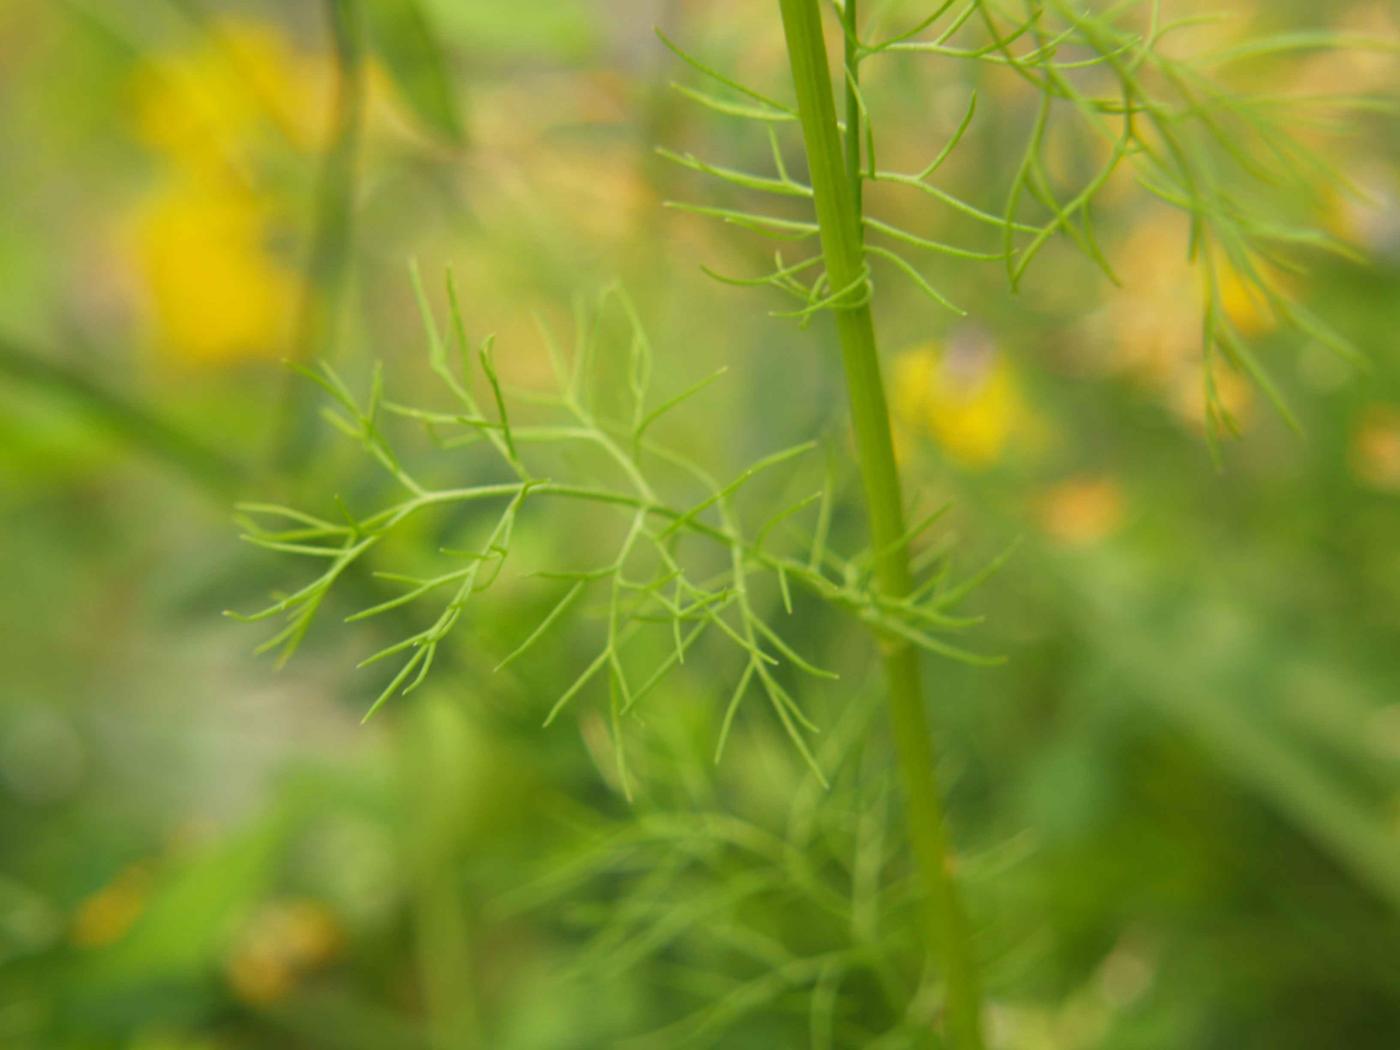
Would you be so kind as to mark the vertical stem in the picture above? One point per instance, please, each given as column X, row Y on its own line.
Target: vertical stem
column 438, row 836
column 328, row 261
column 851, row 62
column 840, row 220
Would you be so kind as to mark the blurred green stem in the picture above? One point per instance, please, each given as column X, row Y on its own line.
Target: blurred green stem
column 839, row 217
column 438, row 836
column 123, row 416
column 328, row 262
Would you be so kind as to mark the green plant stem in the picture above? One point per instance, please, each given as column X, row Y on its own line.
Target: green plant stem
column 121, row 415
column 840, row 221
column 851, row 62
column 328, row 261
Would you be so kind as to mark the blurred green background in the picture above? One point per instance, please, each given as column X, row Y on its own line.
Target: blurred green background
column 1178, row 802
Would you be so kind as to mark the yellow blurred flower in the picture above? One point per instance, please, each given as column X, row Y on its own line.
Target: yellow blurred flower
column 1234, row 396
column 1155, row 319
column 278, row 946
column 105, row 916
column 965, row 396
column 202, row 241
column 1153, row 324
column 1375, row 448
column 1081, row 511
column 1243, row 304
column 216, row 291
column 213, row 104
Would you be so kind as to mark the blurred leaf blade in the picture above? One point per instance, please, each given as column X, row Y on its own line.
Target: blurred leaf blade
column 405, row 40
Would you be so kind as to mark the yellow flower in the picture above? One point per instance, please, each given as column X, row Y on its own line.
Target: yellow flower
column 964, row 396
column 216, row 114
column 105, row 916
column 216, row 292
column 1375, row 448
column 1154, row 320
column 281, row 943
column 1081, row 511
column 213, row 104
column 1243, row 305
column 1234, row 396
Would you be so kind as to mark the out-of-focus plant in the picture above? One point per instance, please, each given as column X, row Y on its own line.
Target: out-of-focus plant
column 1103, row 85
column 204, row 236
column 655, row 580
column 225, row 112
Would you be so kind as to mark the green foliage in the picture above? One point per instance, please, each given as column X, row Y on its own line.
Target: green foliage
column 1173, row 810
column 686, row 565
column 1103, row 82
column 405, row 40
